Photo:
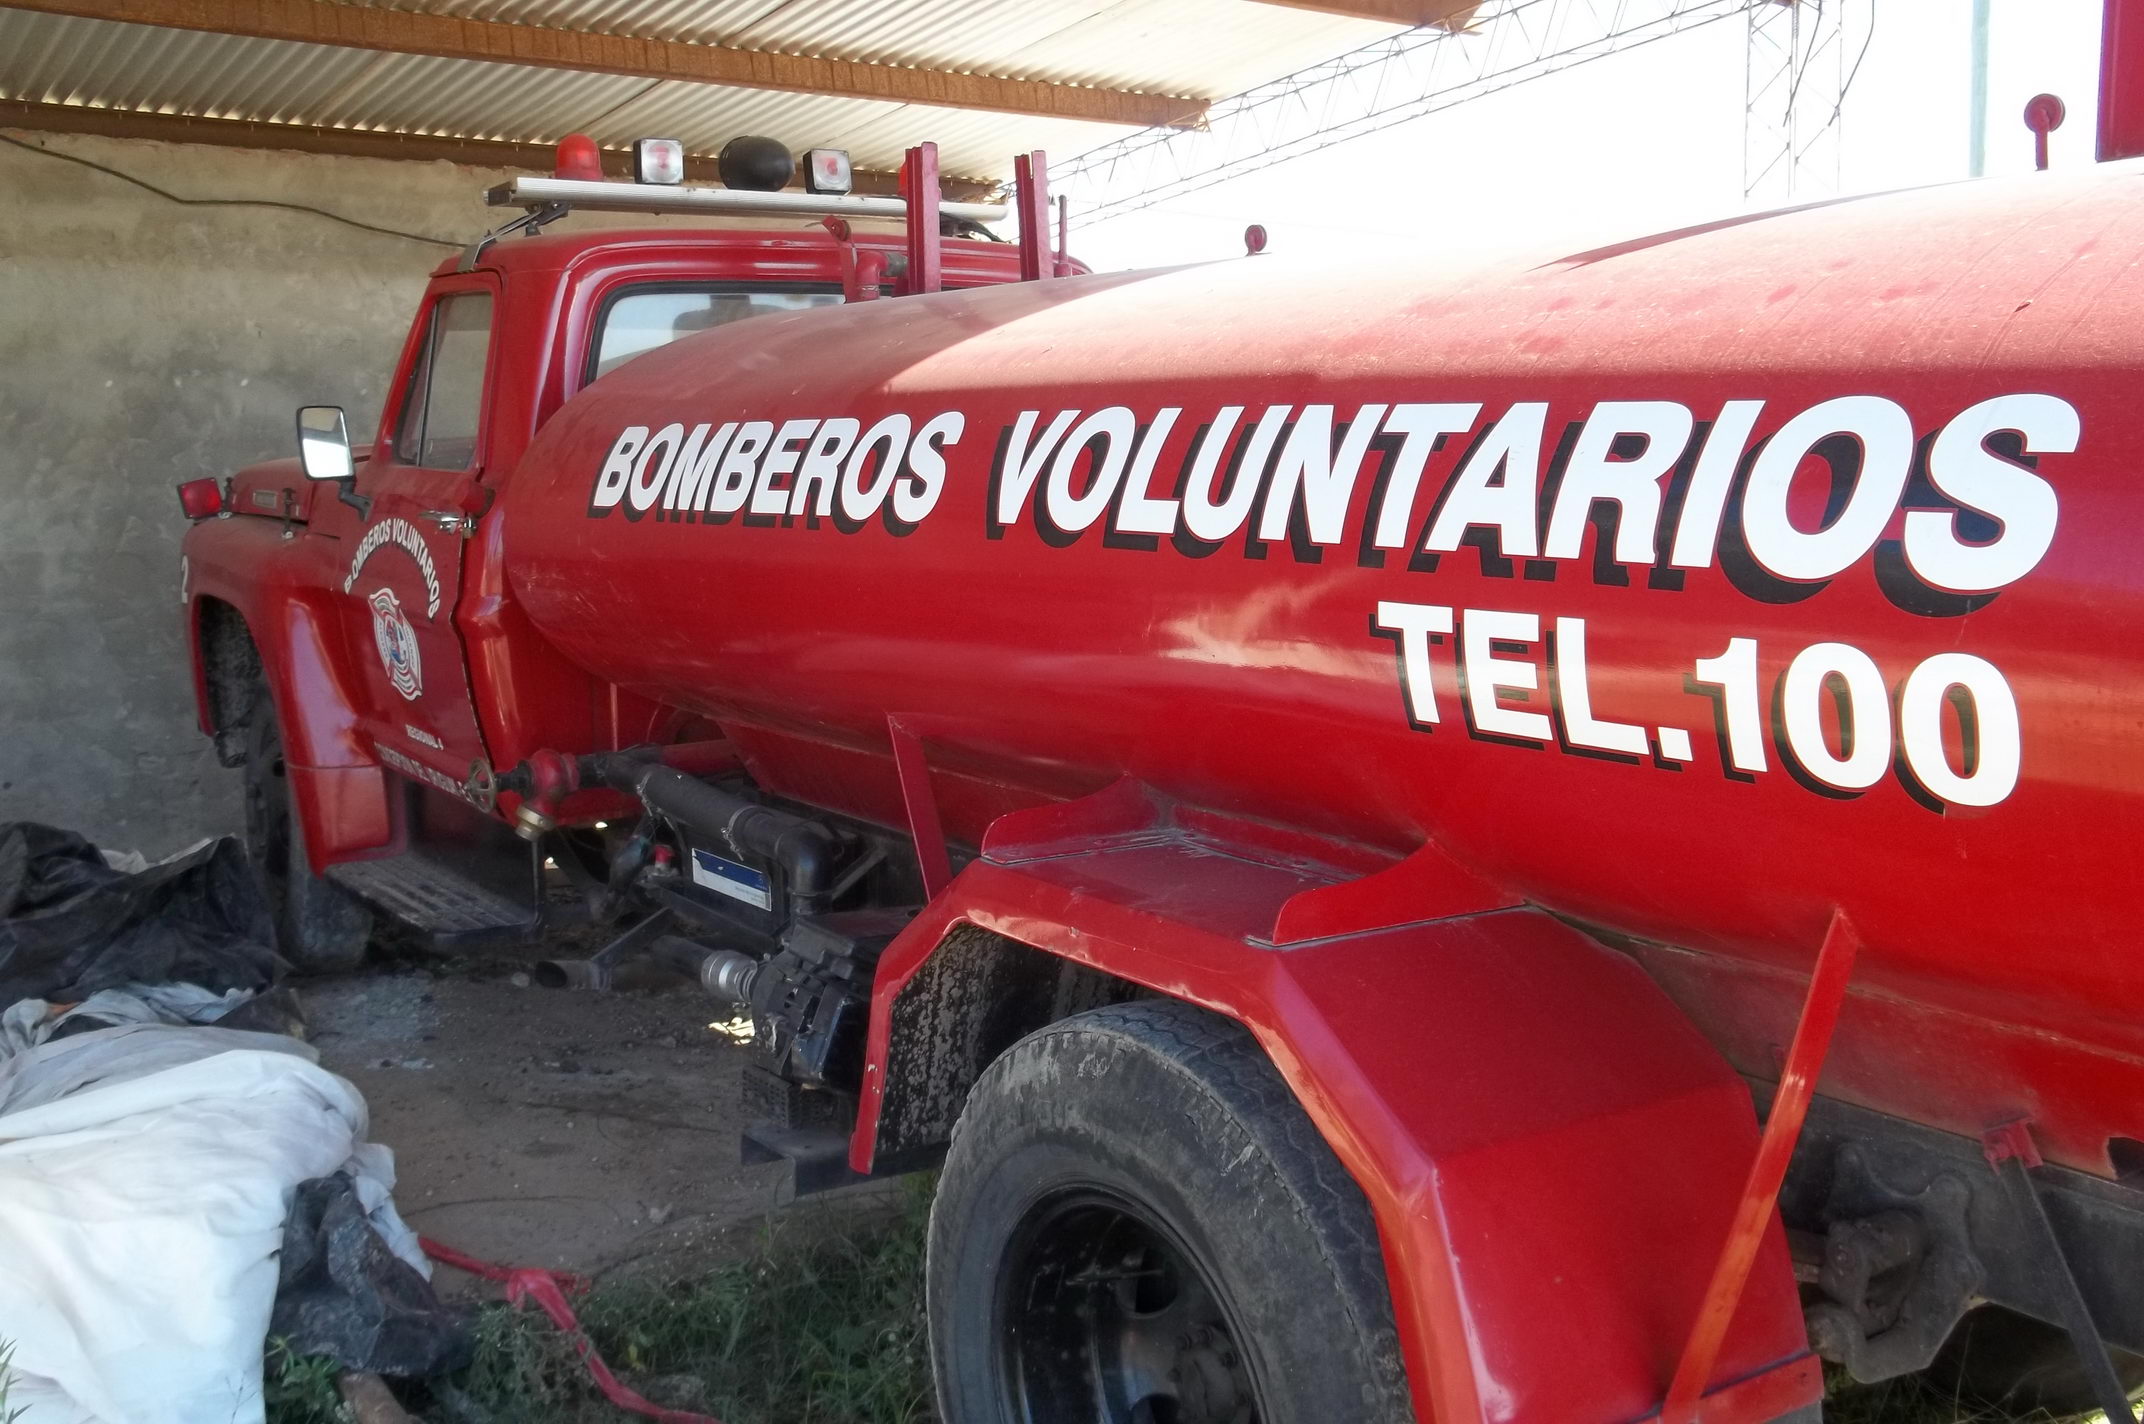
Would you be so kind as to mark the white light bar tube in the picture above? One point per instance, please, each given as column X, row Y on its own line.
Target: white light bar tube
column 735, row 202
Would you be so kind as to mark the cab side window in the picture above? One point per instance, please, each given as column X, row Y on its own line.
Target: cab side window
column 640, row 320
column 444, row 400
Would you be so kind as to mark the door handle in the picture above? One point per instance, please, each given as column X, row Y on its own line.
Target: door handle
column 450, row 521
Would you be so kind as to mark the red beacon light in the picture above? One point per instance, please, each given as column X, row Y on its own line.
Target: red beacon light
column 579, row 159
column 202, row 498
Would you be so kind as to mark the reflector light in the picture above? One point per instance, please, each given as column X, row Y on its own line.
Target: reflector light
column 826, row 170
column 659, row 160
column 201, row 499
column 579, row 159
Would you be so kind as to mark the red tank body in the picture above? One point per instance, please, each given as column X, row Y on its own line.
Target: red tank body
column 1681, row 686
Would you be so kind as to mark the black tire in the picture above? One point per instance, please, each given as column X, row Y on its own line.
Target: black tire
column 1134, row 1191
column 1999, row 1360
column 319, row 927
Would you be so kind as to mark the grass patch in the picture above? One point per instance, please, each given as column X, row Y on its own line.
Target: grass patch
column 1915, row 1400
column 8, row 1415
column 299, row 1389
column 805, row 1331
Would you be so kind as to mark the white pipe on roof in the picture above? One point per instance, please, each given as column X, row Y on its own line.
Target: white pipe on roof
column 685, row 198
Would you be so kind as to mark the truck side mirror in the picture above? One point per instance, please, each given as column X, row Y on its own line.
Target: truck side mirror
column 324, row 443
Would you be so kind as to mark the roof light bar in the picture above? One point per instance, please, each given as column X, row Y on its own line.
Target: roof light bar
column 688, row 198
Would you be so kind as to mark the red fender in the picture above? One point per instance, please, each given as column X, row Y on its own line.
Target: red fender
column 1553, row 1153
column 341, row 790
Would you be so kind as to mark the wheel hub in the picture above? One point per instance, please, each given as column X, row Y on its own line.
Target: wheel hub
column 1107, row 1317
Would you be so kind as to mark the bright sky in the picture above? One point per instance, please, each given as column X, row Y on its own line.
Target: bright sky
column 1638, row 142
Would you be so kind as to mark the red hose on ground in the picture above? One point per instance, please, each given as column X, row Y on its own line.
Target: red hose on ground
column 549, row 1289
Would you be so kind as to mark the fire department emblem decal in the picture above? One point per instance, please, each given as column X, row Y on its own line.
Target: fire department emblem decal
column 398, row 644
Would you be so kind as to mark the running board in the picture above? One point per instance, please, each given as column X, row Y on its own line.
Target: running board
column 436, row 900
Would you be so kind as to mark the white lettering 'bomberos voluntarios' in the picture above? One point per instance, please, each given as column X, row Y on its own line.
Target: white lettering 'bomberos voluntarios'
column 1306, row 476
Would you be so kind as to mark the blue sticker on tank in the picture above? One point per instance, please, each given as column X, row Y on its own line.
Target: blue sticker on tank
column 727, row 877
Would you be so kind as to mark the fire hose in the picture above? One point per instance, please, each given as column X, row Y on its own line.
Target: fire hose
column 549, row 1290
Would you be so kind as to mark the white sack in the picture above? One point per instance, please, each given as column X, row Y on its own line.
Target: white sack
column 145, row 1173
column 29, row 1022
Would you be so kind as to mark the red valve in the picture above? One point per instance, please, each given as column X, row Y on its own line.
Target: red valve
column 2044, row 114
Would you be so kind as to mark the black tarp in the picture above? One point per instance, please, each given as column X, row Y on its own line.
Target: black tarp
column 343, row 1294
column 71, row 925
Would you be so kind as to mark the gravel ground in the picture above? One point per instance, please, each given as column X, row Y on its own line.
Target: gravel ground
column 556, row 1128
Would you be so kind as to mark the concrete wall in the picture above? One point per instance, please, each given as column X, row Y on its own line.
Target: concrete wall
column 142, row 343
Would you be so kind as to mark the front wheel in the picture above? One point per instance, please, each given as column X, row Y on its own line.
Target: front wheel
column 319, row 927
column 1138, row 1224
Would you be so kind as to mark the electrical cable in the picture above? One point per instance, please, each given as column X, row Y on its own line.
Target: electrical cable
column 231, row 202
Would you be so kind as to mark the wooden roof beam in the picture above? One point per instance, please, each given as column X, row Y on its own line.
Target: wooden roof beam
column 1444, row 14
column 375, row 143
column 329, row 22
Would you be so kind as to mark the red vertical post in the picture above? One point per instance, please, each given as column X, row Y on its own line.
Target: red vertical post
column 919, row 185
column 1790, row 1107
column 921, row 804
column 2121, row 80
column 1031, row 196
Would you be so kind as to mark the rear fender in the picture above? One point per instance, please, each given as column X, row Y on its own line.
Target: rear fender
column 1553, row 1154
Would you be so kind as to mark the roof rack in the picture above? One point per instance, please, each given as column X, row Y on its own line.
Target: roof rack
column 571, row 193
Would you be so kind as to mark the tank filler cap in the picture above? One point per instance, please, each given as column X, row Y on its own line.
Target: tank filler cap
column 2044, row 114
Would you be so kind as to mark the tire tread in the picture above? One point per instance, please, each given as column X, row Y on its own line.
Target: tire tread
column 1220, row 1061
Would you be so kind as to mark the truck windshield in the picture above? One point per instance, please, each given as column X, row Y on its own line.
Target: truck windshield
column 642, row 318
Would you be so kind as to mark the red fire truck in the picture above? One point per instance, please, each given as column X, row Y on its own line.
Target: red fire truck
column 1539, row 845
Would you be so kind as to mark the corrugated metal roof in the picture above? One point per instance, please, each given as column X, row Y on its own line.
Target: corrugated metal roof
column 452, row 96
column 50, row 59
column 1205, row 48
column 1214, row 48
column 698, row 21
column 1202, row 48
column 875, row 134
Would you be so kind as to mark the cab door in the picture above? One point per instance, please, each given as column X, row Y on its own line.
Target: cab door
column 403, row 556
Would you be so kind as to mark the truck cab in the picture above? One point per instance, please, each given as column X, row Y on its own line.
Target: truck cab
column 357, row 646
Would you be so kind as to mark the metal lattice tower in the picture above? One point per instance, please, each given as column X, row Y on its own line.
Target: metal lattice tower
column 1407, row 76
column 1799, row 69
column 1798, row 72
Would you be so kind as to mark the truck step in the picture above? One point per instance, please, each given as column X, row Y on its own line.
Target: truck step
column 818, row 1159
column 435, row 899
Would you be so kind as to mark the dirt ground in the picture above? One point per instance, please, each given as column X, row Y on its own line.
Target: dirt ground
column 556, row 1128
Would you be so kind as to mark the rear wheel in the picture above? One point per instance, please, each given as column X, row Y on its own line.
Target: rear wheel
column 319, row 926
column 1137, row 1224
